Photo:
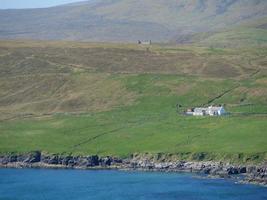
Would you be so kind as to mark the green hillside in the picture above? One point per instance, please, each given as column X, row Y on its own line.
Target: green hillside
column 238, row 38
column 119, row 99
column 129, row 20
column 253, row 34
column 250, row 34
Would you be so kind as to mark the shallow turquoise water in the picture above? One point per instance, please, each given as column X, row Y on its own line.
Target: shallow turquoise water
column 26, row 184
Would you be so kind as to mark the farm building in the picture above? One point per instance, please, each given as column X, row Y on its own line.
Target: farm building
column 145, row 42
column 211, row 111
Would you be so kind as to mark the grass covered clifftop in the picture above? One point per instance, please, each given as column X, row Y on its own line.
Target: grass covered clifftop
column 116, row 134
column 111, row 99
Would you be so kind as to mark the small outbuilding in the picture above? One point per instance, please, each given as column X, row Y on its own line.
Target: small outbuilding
column 144, row 42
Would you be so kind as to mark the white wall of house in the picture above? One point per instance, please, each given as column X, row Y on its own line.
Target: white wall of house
column 211, row 111
column 221, row 111
column 198, row 113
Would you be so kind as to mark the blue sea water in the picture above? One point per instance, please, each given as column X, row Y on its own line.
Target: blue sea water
column 43, row 184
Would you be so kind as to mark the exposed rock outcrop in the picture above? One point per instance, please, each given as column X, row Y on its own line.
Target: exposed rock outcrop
column 249, row 173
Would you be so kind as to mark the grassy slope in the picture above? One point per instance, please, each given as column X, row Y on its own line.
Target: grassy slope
column 253, row 34
column 125, row 99
column 240, row 37
column 128, row 20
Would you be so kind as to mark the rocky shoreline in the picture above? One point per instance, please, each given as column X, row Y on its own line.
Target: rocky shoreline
column 255, row 174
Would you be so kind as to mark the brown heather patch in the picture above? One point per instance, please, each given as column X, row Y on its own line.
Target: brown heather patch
column 181, row 89
column 220, row 69
column 258, row 92
column 262, row 81
column 56, row 94
column 241, row 90
column 66, row 57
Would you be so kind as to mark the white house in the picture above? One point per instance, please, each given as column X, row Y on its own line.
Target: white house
column 211, row 111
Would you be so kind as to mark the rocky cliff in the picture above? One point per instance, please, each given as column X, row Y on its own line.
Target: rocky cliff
column 244, row 173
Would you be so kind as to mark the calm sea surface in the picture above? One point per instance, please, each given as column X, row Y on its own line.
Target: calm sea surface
column 24, row 184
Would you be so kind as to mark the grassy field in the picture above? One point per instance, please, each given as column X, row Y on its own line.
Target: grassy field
column 111, row 99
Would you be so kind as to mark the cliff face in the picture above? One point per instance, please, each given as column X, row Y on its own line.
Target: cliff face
column 251, row 173
column 128, row 20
